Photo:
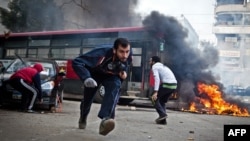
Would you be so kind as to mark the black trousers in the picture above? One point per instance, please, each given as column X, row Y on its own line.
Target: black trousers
column 29, row 93
column 162, row 98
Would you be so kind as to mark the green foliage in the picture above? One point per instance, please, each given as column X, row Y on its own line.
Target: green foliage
column 31, row 15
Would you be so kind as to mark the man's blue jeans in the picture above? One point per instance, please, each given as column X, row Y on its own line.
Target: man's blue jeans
column 112, row 87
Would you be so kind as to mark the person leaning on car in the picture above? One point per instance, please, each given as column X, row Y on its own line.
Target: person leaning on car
column 27, row 81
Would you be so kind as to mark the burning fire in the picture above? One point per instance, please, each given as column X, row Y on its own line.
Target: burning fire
column 210, row 98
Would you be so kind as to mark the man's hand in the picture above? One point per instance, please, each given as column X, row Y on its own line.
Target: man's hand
column 90, row 82
column 154, row 96
column 123, row 75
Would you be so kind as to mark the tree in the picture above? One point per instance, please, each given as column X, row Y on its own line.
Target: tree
column 31, row 15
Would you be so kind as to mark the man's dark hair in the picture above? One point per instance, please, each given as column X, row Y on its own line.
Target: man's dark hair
column 156, row 59
column 121, row 41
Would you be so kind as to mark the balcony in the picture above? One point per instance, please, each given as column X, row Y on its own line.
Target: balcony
column 226, row 2
column 227, row 29
column 232, row 8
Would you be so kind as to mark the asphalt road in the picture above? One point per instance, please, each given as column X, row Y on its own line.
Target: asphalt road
column 132, row 124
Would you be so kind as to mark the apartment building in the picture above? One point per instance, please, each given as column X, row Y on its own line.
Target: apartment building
column 232, row 30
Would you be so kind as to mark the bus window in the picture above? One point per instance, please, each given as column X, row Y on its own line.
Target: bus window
column 85, row 50
column 137, row 50
column 136, row 61
column 21, row 52
column 133, row 36
column 34, row 43
column 57, row 53
column 16, row 43
column 136, row 69
column 66, row 40
column 72, row 52
column 98, row 41
column 10, row 53
column 38, row 52
column 32, row 53
column 43, row 52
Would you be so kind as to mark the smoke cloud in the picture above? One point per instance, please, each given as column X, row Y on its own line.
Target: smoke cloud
column 190, row 65
column 112, row 13
column 100, row 14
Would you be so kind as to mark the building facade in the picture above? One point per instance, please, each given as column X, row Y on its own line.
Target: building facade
column 232, row 30
column 192, row 38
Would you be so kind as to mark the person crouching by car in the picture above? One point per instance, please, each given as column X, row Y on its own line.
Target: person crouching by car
column 27, row 81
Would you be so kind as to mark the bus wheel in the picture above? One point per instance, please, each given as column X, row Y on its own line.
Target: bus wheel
column 99, row 94
column 125, row 101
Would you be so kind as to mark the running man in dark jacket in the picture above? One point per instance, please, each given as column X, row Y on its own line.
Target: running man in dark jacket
column 106, row 66
column 27, row 81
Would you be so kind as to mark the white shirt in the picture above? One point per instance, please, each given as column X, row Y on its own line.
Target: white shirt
column 162, row 74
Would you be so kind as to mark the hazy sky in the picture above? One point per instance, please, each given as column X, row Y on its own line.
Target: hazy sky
column 200, row 13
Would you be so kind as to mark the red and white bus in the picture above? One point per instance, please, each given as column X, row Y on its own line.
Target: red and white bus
column 68, row 44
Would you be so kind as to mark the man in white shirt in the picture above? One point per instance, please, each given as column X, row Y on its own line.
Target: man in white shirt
column 165, row 84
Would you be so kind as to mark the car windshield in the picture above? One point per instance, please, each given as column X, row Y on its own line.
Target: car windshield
column 17, row 64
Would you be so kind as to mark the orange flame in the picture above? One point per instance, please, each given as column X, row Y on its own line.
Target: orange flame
column 215, row 102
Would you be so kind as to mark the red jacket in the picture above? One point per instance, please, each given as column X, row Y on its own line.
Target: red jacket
column 28, row 74
column 31, row 76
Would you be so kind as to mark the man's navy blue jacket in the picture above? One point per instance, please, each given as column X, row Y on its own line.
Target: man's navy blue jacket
column 85, row 64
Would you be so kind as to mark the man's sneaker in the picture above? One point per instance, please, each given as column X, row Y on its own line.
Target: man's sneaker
column 82, row 122
column 30, row 111
column 161, row 120
column 106, row 126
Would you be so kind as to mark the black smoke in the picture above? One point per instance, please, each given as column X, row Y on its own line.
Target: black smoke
column 189, row 64
column 111, row 13
column 100, row 14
